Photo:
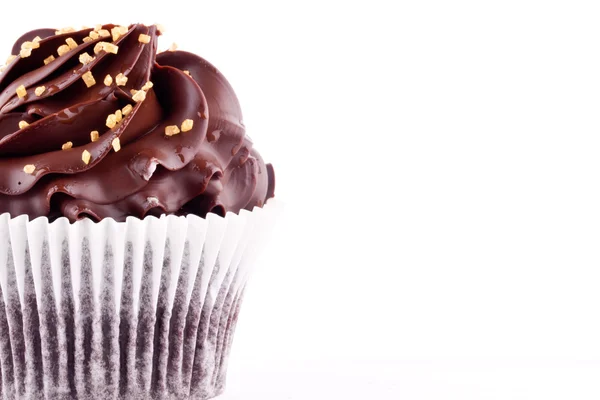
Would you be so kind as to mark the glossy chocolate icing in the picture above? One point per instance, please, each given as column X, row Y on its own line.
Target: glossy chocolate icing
column 211, row 168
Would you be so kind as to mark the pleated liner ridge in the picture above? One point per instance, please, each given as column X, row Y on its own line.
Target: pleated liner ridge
column 143, row 309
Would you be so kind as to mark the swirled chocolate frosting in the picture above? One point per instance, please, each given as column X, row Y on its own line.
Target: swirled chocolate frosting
column 83, row 134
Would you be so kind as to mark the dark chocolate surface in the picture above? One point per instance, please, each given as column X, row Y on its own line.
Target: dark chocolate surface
column 211, row 168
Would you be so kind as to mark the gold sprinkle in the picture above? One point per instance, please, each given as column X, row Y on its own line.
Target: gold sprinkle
column 94, row 35
column 94, row 135
column 87, row 39
column 121, row 80
column 104, row 33
column 40, row 90
column 67, row 146
column 139, row 96
column 127, row 109
column 187, row 125
column 108, row 80
column 65, row 30
column 98, row 27
column 21, row 92
column 116, row 144
column 133, row 91
column 37, row 39
column 85, row 58
column 144, row 38
column 111, row 121
column 117, row 32
column 119, row 115
column 171, row 130
column 88, row 78
column 71, row 43
column 30, row 45
column 149, row 85
column 63, row 49
column 173, row 47
column 10, row 59
column 86, row 157
column 24, row 53
column 49, row 60
column 29, row 168
column 111, row 48
column 23, row 124
column 185, row 71
column 108, row 47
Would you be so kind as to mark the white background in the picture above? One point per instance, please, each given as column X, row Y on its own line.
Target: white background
column 440, row 165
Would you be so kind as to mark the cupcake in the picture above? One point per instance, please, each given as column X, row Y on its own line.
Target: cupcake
column 132, row 208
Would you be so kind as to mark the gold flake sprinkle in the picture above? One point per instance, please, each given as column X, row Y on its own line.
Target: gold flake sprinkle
column 85, row 58
column 30, row 45
column 149, row 85
column 121, row 80
column 139, row 96
column 104, row 33
column 127, row 109
column 171, row 130
column 173, row 47
column 67, row 146
column 98, row 27
column 119, row 115
column 24, row 53
column 49, row 60
column 185, row 71
column 111, row 121
column 144, row 38
column 63, row 49
column 21, row 92
column 86, row 156
column 108, row 47
column 37, row 39
column 98, row 47
column 133, row 91
column 40, row 90
column 87, row 39
column 23, row 124
column 117, row 32
column 88, row 78
column 116, row 144
column 108, row 80
column 94, row 135
column 94, row 35
column 29, row 168
column 111, row 48
column 71, row 43
column 187, row 125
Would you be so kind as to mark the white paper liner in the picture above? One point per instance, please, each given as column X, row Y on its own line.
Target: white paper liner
column 142, row 309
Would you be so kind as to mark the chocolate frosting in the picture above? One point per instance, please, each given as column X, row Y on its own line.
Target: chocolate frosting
column 210, row 168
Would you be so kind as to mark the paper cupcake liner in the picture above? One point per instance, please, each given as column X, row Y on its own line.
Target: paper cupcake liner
column 143, row 309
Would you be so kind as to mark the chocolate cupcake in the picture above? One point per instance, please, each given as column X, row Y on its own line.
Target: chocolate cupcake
column 132, row 209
